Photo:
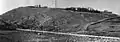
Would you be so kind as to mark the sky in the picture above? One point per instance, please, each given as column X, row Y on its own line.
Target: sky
column 111, row 5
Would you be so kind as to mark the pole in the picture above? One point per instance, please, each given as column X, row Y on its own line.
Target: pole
column 55, row 3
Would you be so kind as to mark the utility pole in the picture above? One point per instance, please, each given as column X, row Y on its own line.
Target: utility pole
column 55, row 3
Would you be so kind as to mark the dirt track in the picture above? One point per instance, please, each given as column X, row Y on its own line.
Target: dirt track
column 27, row 35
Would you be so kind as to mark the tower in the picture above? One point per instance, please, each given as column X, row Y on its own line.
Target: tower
column 55, row 3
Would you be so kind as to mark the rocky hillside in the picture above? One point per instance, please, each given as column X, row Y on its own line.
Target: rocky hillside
column 51, row 19
column 61, row 20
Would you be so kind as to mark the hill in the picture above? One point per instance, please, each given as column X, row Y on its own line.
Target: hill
column 61, row 20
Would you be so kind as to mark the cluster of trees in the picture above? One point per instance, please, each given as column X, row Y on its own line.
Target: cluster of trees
column 78, row 9
column 37, row 6
column 89, row 9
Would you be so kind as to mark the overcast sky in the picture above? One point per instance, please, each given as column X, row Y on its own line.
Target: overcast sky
column 111, row 5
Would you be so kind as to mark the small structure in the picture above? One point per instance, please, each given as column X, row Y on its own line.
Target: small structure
column 38, row 6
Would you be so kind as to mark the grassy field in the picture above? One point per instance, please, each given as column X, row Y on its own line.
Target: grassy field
column 22, row 36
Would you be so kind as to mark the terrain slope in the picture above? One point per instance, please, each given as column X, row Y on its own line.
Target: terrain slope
column 59, row 21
